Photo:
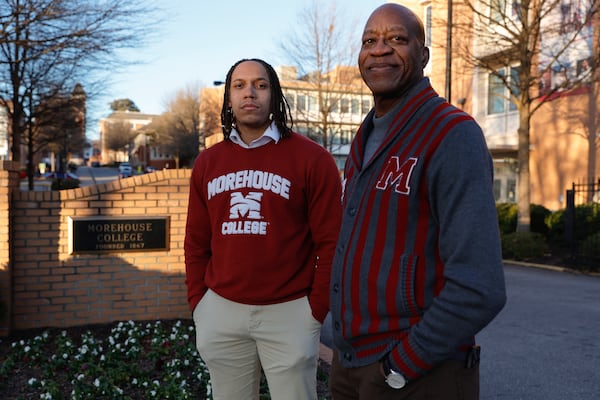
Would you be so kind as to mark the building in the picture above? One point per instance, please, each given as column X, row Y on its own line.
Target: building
column 328, row 108
column 140, row 151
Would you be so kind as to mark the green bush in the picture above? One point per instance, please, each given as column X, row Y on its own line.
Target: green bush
column 507, row 217
column 587, row 223
column 556, row 226
column 524, row 245
column 590, row 248
column 538, row 215
column 587, row 220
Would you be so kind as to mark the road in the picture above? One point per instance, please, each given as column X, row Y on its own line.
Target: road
column 545, row 344
column 87, row 176
column 96, row 176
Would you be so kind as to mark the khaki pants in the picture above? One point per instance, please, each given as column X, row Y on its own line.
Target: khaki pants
column 235, row 340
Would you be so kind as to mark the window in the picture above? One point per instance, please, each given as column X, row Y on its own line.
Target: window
column 313, row 104
column 366, row 105
column 511, row 190
column 499, row 99
column 301, row 102
column 291, row 100
column 344, row 105
column 497, row 189
column 355, row 106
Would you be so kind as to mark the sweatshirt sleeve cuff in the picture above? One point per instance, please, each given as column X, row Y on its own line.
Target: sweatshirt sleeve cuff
column 319, row 312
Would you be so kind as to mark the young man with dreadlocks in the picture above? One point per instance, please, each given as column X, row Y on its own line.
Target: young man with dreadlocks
column 263, row 218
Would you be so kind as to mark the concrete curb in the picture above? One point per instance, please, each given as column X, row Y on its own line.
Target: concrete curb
column 549, row 267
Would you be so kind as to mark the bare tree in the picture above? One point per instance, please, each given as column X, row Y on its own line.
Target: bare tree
column 323, row 46
column 532, row 49
column 118, row 136
column 59, row 127
column 47, row 46
column 177, row 130
column 211, row 100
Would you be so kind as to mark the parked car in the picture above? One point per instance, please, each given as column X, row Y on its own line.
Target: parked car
column 125, row 170
column 149, row 169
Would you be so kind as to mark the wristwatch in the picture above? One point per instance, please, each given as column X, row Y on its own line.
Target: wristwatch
column 393, row 378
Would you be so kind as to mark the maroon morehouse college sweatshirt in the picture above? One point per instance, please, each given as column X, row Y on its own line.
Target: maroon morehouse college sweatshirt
column 263, row 223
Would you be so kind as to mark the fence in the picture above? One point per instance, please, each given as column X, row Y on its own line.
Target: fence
column 583, row 245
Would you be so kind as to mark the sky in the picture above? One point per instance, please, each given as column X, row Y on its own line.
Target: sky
column 200, row 40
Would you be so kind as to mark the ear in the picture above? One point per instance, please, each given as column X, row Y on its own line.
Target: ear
column 425, row 56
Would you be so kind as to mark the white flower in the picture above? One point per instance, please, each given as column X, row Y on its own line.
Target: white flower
column 32, row 381
column 27, row 348
column 97, row 382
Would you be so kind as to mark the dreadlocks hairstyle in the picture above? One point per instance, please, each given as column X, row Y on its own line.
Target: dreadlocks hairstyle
column 279, row 106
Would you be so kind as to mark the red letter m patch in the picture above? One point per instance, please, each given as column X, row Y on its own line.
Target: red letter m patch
column 397, row 174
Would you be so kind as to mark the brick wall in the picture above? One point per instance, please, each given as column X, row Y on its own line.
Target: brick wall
column 52, row 288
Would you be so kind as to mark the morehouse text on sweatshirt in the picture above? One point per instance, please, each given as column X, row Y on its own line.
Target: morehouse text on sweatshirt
column 418, row 266
column 263, row 222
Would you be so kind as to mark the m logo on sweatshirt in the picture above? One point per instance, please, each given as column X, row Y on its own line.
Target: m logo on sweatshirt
column 397, row 175
column 245, row 206
column 245, row 215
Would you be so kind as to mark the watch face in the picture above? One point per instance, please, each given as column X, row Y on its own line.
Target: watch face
column 395, row 380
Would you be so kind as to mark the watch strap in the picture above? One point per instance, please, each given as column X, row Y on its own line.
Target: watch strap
column 387, row 366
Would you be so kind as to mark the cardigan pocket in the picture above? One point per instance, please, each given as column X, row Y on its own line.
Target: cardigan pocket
column 405, row 297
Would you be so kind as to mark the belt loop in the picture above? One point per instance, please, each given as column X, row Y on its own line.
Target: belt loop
column 473, row 356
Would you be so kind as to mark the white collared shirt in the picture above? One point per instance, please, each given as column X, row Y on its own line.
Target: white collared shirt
column 271, row 133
